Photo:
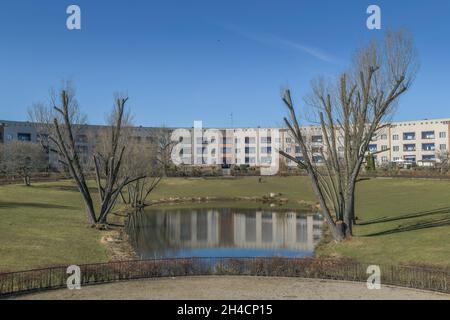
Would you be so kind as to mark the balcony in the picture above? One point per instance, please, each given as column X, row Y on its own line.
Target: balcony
column 426, row 135
column 409, row 136
column 428, row 147
column 409, row 147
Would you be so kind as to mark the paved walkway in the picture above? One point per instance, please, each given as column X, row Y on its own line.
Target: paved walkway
column 232, row 287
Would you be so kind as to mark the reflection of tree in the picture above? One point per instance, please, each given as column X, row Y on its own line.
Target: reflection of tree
column 149, row 233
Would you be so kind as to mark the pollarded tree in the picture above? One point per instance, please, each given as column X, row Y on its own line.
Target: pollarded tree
column 61, row 123
column 350, row 112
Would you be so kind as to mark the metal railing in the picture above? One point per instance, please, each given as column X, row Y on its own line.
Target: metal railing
column 56, row 277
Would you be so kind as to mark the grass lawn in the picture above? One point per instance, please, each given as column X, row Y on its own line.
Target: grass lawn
column 45, row 224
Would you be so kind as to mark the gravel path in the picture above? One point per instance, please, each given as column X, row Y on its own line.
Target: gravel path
column 232, row 287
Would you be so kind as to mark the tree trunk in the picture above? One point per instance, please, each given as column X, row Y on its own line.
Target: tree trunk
column 89, row 209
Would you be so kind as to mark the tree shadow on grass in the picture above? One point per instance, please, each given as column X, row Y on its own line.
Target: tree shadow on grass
column 406, row 216
column 10, row 205
column 426, row 224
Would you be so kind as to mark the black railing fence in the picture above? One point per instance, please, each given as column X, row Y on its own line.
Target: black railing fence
column 56, row 277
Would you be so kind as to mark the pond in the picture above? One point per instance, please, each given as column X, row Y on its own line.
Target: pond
column 223, row 232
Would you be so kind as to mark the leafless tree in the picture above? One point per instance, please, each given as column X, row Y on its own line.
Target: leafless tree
column 61, row 123
column 350, row 112
column 110, row 174
column 163, row 148
column 133, row 177
column 443, row 160
column 22, row 159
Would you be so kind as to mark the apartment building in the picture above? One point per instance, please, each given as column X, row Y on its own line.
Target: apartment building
column 422, row 142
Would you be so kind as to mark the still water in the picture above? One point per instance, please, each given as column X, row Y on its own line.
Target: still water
column 223, row 232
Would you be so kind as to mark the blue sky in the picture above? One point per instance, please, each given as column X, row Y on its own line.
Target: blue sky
column 189, row 60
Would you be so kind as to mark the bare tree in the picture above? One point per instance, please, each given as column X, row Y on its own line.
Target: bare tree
column 108, row 159
column 22, row 159
column 141, row 161
column 350, row 112
column 163, row 148
column 61, row 123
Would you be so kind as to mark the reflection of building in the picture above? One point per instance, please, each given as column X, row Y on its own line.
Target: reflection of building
column 272, row 230
column 215, row 228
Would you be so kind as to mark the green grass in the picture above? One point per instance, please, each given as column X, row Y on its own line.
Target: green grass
column 419, row 239
column 42, row 225
column 45, row 224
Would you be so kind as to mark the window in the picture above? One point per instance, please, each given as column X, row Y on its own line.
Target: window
column 409, row 136
column 396, row 148
column 249, row 140
column 249, row 160
column 250, row 150
column 41, row 137
column 186, row 150
column 9, row 137
column 410, row 158
column 237, row 150
column 317, row 139
column 427, row 134
column 226, row 150
column 267, row 150
column 409, row 147
column 24, row 136
column 317, row 159
column 201, row 150
column 395, row 137
column 383, row 137
column 443, row 147
column 372, row 147
column 428, row 147
column 384, row 159
column 288, row 150
column 81, row 138
column 429, row 157
column 298, row 150
column 226, row 140
column 288, row 140
column 237, row 140
column 442, row 134
column 384, row 148
column 396, row 158
column 266, row 139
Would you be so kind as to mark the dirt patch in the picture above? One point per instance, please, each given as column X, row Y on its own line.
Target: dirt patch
column 236, row 287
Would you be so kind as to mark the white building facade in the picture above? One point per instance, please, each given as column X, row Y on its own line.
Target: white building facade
column 423, row 142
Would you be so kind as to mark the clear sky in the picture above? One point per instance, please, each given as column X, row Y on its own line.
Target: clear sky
column 188, row 60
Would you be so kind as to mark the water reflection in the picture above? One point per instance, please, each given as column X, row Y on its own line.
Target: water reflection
column 223, row 232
